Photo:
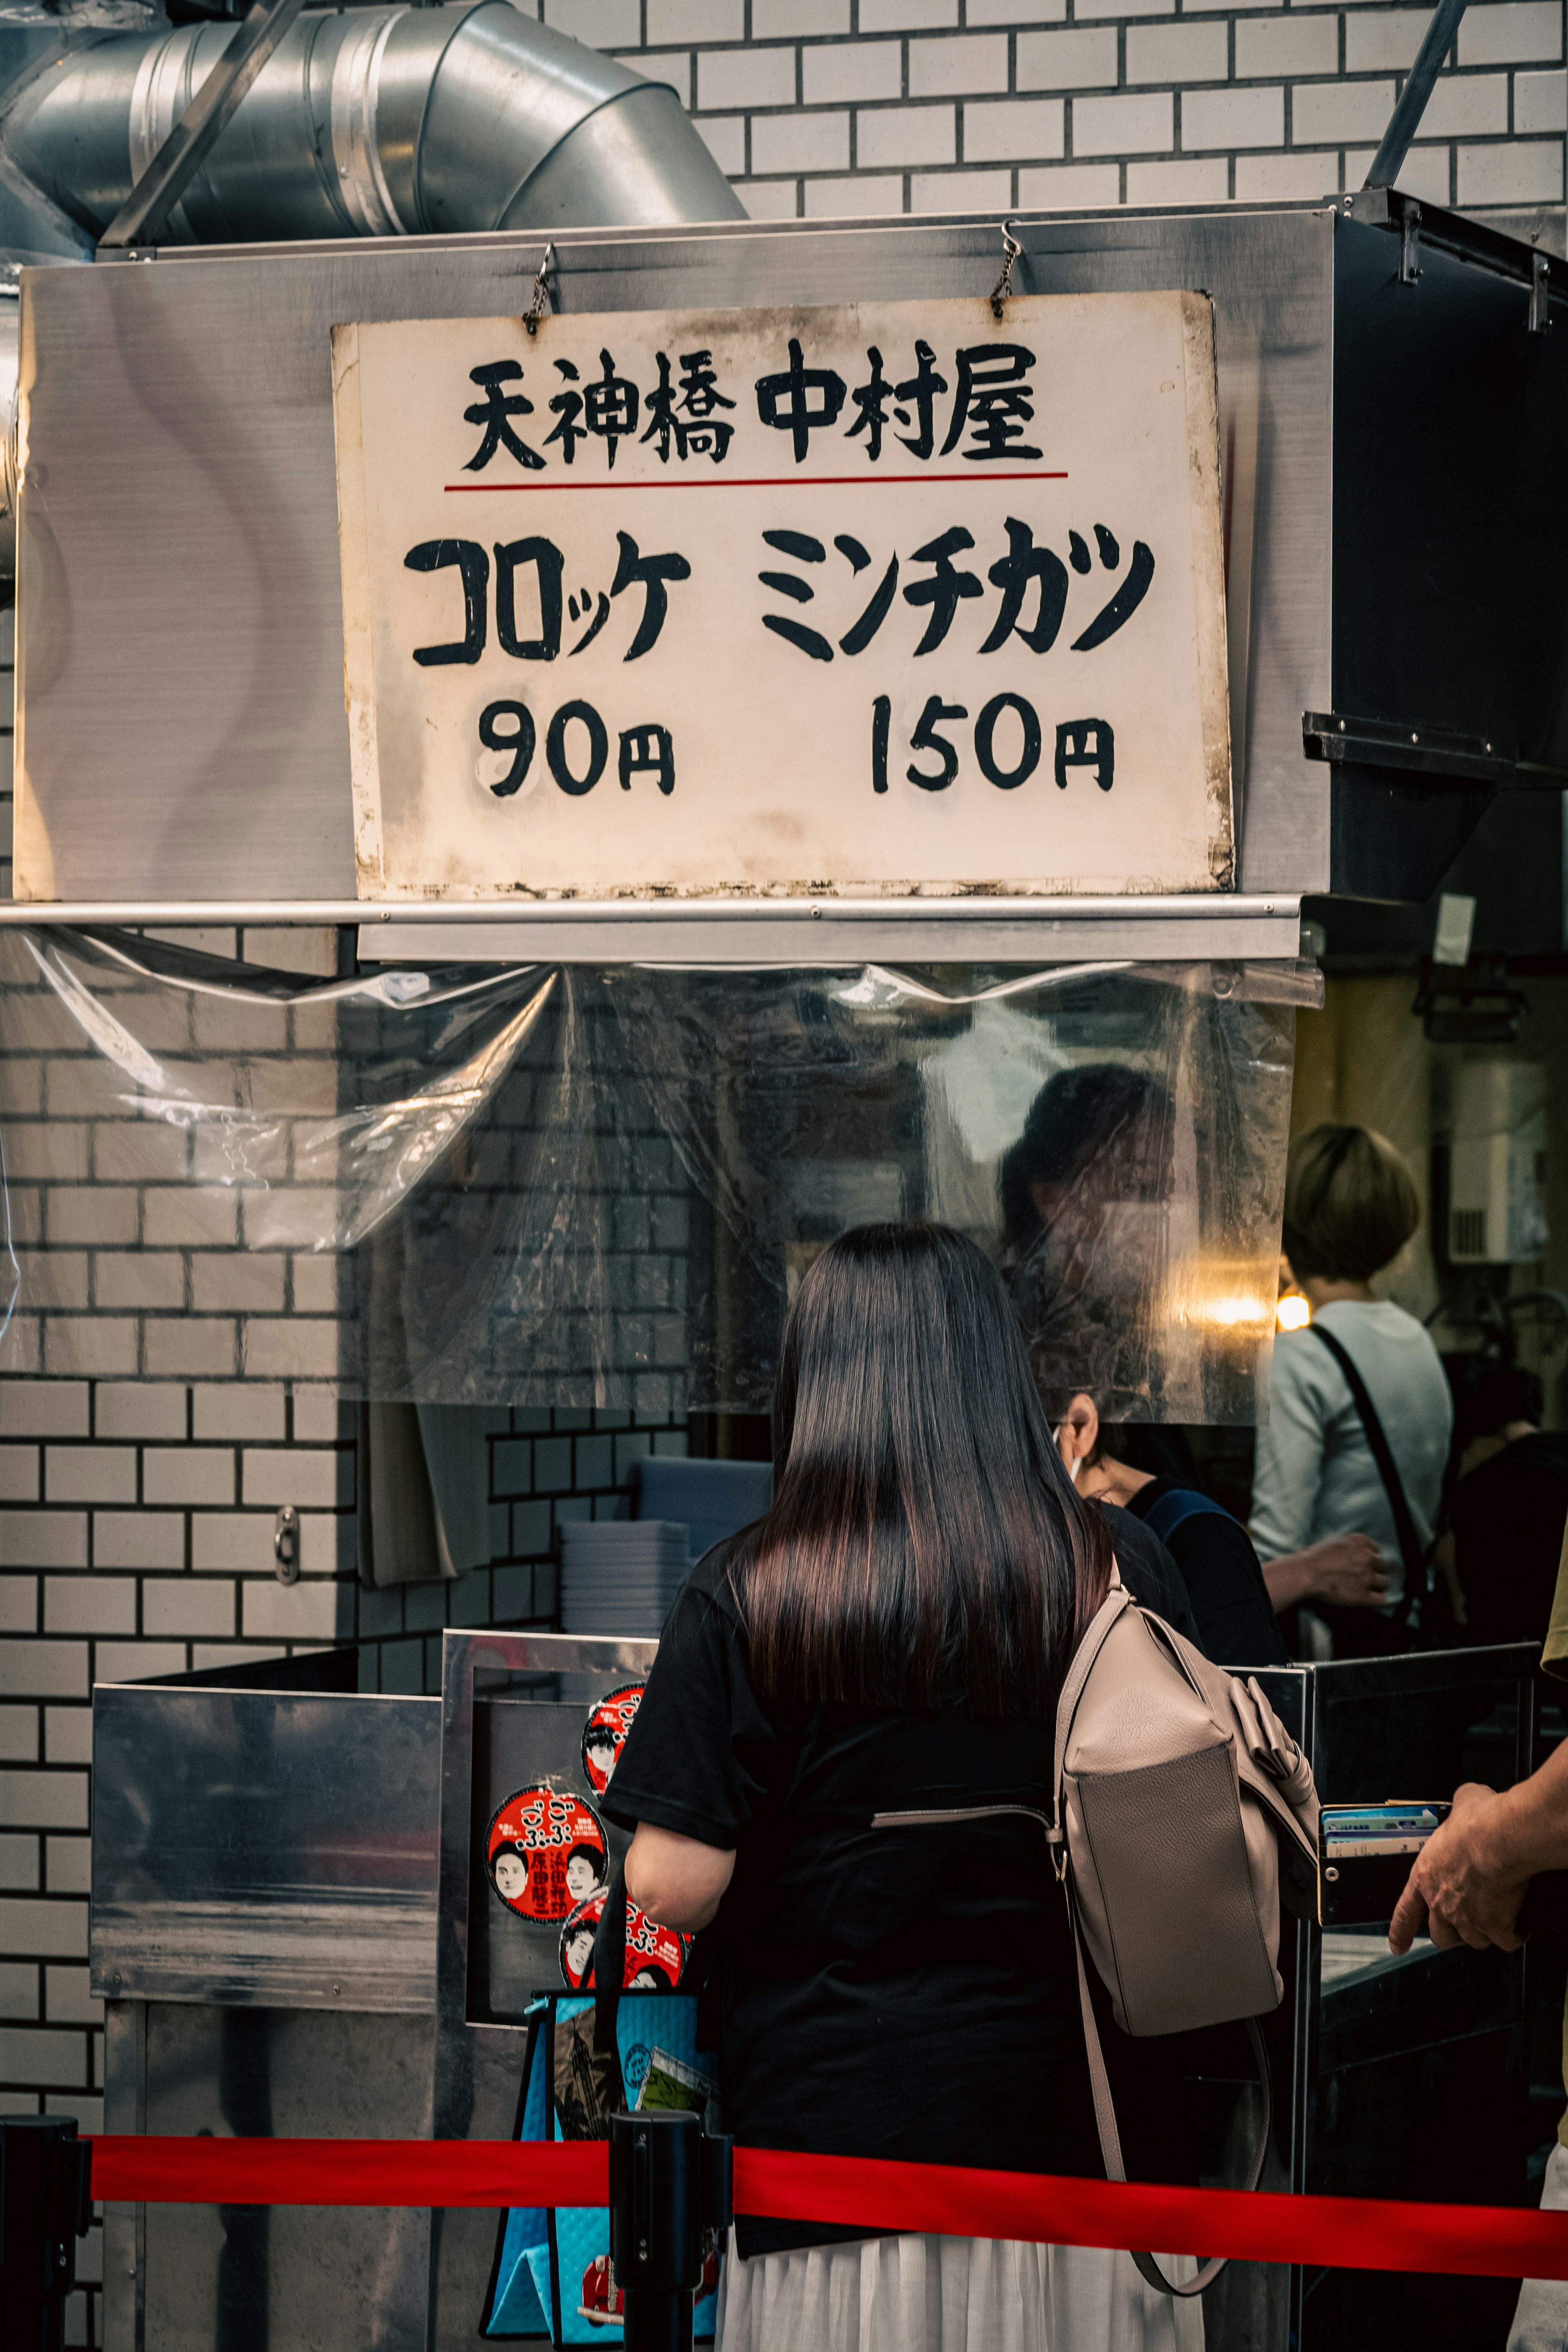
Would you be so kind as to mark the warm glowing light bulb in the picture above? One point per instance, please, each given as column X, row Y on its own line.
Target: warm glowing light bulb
column 1293, row 1313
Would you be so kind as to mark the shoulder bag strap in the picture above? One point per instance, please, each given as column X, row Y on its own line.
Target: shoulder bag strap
column 1110, row 2138
column 610, row 1962
column 1410, row 1545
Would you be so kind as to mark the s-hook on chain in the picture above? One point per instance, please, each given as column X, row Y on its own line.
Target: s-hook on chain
column 1011, row 249
column 540, row 302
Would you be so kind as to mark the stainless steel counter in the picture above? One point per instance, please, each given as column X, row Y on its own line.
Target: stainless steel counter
column 294, row 1934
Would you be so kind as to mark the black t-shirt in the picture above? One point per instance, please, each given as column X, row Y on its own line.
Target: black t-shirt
column 1236, row 1625
column 906, row 1993
column 1508, row 1518
column 1148, row 1571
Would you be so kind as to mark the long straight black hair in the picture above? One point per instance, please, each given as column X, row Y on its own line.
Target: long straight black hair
column 924, row 1536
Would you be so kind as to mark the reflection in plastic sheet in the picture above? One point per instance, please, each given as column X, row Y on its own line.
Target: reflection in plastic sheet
column 584, row 1187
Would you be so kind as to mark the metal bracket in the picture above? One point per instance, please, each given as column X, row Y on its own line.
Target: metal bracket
column 286, row 1545
column 142, row 216
column 1410, row 245
column 1540, row 293
column 1436, row 752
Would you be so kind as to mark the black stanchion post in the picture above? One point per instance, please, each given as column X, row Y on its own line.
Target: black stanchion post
column 669, row 2180
column 45, row 2202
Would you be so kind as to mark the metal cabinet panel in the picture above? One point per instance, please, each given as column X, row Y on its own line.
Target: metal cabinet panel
column 180, row 731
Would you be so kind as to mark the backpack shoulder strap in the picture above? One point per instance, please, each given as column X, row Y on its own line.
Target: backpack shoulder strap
column 1177, row 1505
column 1110, row 2138
column 1410, row 1545
column 1094, row 1634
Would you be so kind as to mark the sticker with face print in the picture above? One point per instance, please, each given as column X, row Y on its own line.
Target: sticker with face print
column 546, row 1851
column 656, row 1956
column 605, row 1734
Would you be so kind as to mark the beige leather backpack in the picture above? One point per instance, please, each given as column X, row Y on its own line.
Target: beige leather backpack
column 1185, row 1814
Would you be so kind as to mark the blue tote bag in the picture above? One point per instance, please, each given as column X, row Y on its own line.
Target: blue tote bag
column 587, row 2053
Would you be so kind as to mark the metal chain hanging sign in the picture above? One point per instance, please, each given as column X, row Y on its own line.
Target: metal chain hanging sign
column 897, row 597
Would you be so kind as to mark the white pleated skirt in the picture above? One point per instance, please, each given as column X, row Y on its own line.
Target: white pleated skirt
column 952, row 2294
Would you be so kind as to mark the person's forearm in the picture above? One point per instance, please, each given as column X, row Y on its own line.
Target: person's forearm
column 1291, row 1581
column 1527, row 1829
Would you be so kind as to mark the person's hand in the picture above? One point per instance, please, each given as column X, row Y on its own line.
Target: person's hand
column 1457, row 1887
column 1348, row 1571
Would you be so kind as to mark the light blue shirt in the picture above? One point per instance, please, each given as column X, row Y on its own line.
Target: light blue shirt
column 1315, row 1475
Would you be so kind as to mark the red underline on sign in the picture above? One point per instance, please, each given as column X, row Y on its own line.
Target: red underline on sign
column 766, row 482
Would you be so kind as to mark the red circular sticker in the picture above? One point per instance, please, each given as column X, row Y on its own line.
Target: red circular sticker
column 605, row 1734
column 546, row 1851
column 656, row 1956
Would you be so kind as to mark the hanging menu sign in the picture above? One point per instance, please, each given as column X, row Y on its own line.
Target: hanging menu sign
column 889, row 598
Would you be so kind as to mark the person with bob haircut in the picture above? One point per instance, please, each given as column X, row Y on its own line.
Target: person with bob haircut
column 1350, row 1207
column 891, row 1636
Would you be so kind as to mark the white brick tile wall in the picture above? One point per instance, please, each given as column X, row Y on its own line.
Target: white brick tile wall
column 89, row 1604
column 21, row 1861
column 43, row 1669
column 140, row 1410
column 254, row 1411
column 68, row 1738
column 1283, row 178
column 1123, row 126
column 1265, row 46
column 43, row 1409
column 1200, row 182
column 43, row 1538
column 1068, row 60
column 1497, row 36
column 905, row 16
column 19, row 1473
column 801, row 142
column 144, row 1538
column 906, row 134
column 778, row 19
column 695, row 20
column 1520, row 172
column 188, row 1606
column 1016, row 129
column 946, row 192
column 1233, row 117
column 868, row 192
column 90, row 1474
column 1541, row 101
column 852, row 70
column 602, row 24
column 1339, row 109
column 1178, row 53
column 187, row 1473
column 1467, row 105
column 749, row 77
column 18, row 1734
column 18, row 1605
column 1376, row 38
column 958, row 67
column 47, row 1925
column 43, row 1800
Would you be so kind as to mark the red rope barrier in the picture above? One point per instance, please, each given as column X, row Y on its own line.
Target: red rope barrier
column 1339, row 2232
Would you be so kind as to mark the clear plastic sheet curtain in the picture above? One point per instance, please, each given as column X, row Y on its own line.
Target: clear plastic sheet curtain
column 565, row 1186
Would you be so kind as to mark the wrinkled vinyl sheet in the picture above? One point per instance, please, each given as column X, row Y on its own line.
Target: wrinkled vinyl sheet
column 573, row 1187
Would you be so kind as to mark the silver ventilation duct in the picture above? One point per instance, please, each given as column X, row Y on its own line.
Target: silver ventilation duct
column 373, row 122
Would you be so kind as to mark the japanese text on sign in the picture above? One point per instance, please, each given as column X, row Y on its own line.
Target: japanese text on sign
column 879, row 598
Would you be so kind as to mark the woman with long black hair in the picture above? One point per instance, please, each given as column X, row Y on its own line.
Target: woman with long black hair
column 891, row 1636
